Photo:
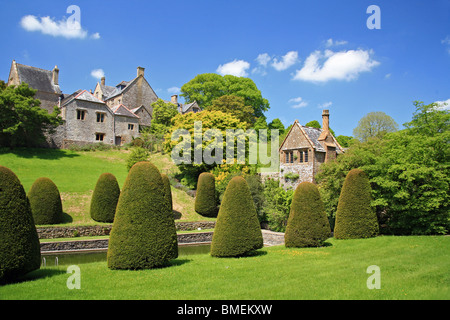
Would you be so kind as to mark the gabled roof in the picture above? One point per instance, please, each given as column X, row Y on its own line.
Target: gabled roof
column 121, row 110
column 38, row 79
column 313, row 135
column 81, row 95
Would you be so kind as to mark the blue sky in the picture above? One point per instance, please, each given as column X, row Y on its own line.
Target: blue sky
column 304, row 56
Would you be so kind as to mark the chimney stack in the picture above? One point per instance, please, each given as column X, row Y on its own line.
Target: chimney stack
column 103, row 81
column 174, row 99
column 140, row 71
column 325, row 125
column 55, row 75
column 326, row 120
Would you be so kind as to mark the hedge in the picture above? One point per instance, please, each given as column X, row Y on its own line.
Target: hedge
column 143, row 234
column 307, row 225
column 105, row 197
column 19, row 245
column 355, row 218
column 205, row 198
column 237, row 231
column 45, row 202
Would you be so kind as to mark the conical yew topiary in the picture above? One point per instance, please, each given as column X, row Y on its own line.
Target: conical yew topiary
column 205, row 197
column 307, row 225
column 143, row 234
column 19, row 244
column 167, row 190
column 237, row 231
column 45, row 202
column 105, row 197
column 355, row 218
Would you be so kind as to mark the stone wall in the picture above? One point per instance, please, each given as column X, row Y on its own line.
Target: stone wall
column 104, row 230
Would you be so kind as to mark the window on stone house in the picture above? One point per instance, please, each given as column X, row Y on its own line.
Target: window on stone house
column 303, row 156
column 100, row 117
column 99, row 136
column 81, row 114
column 130, row 126
column 289, row 157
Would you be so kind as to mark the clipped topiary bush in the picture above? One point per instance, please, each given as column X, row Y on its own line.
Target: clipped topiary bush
column 167, row 190
column 307, row 225
column 105, row 197
column 237, row 231
column 205, row 198
column 45, row 202
column 19, row 245
column 355, row 218
column 143, row 234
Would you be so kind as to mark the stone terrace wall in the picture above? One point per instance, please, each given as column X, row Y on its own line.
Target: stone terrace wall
column 104, row 230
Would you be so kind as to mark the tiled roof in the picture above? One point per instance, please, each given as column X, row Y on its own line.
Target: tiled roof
column 121, row 110
column 38, row 79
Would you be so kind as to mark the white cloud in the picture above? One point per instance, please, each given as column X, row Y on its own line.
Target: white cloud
column 61, row 28
column 330, row 42
column 387, row 76
column 343, row 65
column 325, row 105
column 235, row 68
column 298, row 102
column 97, row 73
column 443, row 105
column 174, row 90
column 287, row 61
column 263, row 59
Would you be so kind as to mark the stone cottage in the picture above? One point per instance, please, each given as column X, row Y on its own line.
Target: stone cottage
column 304, row 149
column 109, row 114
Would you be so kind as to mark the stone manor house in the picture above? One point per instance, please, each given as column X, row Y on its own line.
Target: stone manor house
column 109, row 114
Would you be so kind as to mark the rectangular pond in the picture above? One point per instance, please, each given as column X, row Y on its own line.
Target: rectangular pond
column 50, row 259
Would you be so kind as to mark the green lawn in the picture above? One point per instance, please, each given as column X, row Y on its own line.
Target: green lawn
column 415, row 267
column 76, row 173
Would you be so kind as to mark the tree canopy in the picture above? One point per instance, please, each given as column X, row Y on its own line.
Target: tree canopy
column 234, row 105
column 206, row 87
column 22, row 120
column 374, row 124
column 409, row 171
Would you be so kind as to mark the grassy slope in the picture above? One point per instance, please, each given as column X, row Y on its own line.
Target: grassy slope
column 411, row 268
column 76, row 173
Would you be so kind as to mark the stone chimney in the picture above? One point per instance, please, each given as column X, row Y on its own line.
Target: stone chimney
column 325, row 125
column 55, row 75
column 174, row 99
column 103, row 81
column 326, row 120
column 140, row 71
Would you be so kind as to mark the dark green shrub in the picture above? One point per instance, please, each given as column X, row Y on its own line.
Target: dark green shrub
column 105, row 197
column 355, row 218
column 237, row 231
column 143, row 234
column 167, row 190
column 19, row 242
column 205, row 198
column 307, row 225
column 45, row 202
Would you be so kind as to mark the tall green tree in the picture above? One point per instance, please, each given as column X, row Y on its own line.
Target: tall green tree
column 22, row 121
column 234, row 105
column 206, row 87
column 409, row 171
column 374, row 124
